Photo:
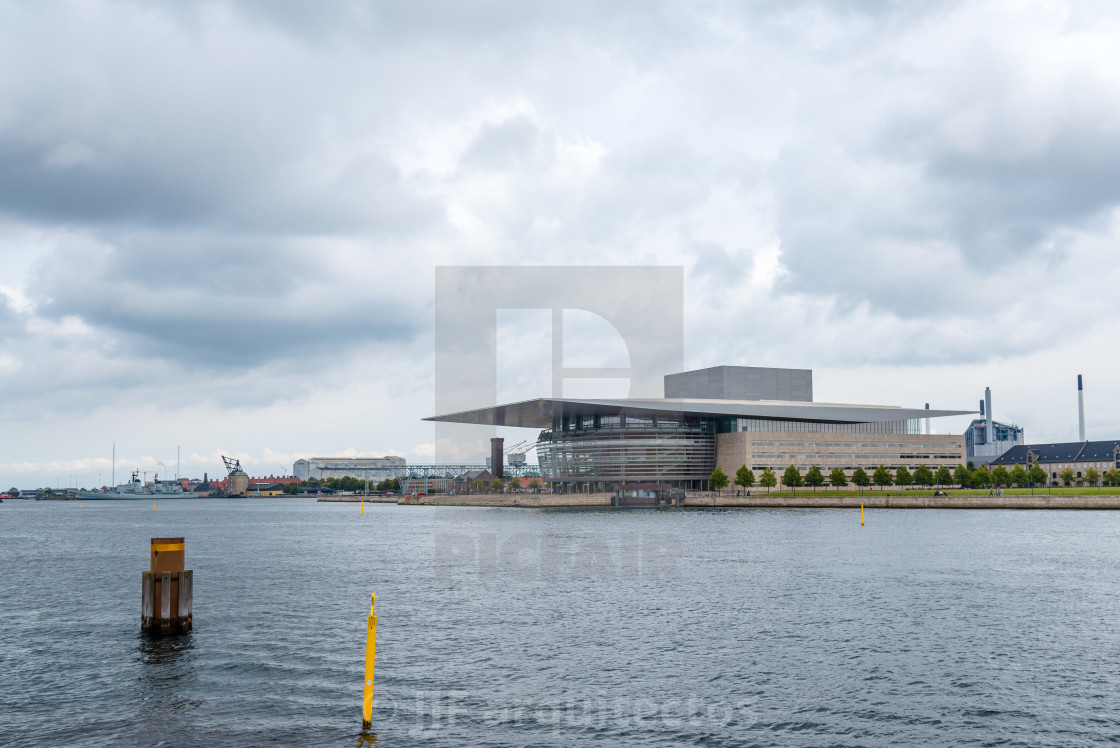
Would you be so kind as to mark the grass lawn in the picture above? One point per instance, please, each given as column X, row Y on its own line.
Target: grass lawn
column 896, row 491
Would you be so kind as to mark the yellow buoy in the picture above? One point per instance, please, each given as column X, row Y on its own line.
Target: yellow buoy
column 861, row 515
column 363, row 508
column 153, row 506
column 371, row 655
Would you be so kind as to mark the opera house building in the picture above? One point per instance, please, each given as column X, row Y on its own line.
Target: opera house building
column 727, row 416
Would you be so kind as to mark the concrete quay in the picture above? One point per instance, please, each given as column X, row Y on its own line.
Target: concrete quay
column 880, row 500
column 528, row 500
column 871, row 500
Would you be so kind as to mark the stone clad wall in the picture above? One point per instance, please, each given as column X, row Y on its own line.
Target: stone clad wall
column 827, row 451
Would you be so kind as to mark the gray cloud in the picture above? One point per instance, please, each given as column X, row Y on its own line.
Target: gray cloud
column 236, row 304
column 11, row 323
column 503, row 144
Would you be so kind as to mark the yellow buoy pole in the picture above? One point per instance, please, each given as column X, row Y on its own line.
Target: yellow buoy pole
column 861, row 515
column 363, row 507
column 371, row 654
column 153, row 506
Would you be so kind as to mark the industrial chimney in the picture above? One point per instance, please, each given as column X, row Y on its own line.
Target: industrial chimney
column 927, row 420
column 989, row 435
column 1080, row 410
column 497, row 466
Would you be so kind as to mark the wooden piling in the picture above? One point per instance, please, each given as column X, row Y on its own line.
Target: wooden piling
column 167, row 588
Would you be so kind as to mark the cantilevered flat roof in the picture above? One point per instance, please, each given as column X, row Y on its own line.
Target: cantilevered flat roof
column 539, row 413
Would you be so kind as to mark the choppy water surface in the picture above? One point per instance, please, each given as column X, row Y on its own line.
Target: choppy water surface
column 521, row 627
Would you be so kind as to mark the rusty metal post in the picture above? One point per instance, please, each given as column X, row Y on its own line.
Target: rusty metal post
column 167, row 589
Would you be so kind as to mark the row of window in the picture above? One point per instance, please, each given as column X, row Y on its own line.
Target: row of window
column 903, row 426
column 826, row 470
column 850, row 445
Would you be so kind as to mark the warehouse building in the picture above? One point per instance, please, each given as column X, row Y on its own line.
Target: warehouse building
column 321, row 468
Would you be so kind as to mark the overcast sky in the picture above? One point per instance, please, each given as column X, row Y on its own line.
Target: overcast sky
column 219, row 222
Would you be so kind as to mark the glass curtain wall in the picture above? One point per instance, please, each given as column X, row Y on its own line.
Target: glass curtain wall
column 584, row 453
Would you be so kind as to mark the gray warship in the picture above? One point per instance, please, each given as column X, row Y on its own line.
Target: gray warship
column 135, row 489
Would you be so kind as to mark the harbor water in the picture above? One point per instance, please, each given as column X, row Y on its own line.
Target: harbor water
column 518, row 627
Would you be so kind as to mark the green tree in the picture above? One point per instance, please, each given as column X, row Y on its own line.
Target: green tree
column 814, row 478
column 13, row 490
column 962, row 476
column 768, row 480
column 1018, row 475
column 744, row 477
column 1000, row 476
column 923, row 476
column 859, row 477
column 882, row 476
column 534, row 484
column 981, row 478
column 837, row 478
column 902, row 476
column 717, row 480
column 1112, row 477
column 792, row 478
column 291, row 488
column 943, row 477
column 1037, row 475
column 497, row 484
column 1067, row 476
column 1093, row 477
column 477, row 485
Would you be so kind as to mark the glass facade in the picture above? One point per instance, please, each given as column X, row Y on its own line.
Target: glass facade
column 595, row 453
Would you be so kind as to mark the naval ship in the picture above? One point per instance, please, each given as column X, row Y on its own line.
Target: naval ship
column 134, row 489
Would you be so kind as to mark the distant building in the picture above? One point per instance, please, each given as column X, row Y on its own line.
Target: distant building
column 1054, row 458
column 264, row 488
column 980, row 449
column 321, row 468
column 206, row 488
column 986, row 439
column 465, row 482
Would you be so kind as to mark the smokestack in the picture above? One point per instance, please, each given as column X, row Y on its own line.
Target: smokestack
column 981, row 407
column 497, row 466
column 989, row 435
column 1080, row 410
column 927, row 420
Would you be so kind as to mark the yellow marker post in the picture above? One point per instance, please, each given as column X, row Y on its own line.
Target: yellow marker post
column 363, row 508
column 371, row 655
column 153, row 506
column 861, row 515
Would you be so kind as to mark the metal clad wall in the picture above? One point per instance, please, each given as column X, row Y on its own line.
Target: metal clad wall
column 742, row 383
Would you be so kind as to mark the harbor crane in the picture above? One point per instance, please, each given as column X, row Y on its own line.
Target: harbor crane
column 232, row 465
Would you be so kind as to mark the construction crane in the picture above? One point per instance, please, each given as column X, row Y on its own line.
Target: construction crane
column 232, row 465
column 518, row 452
